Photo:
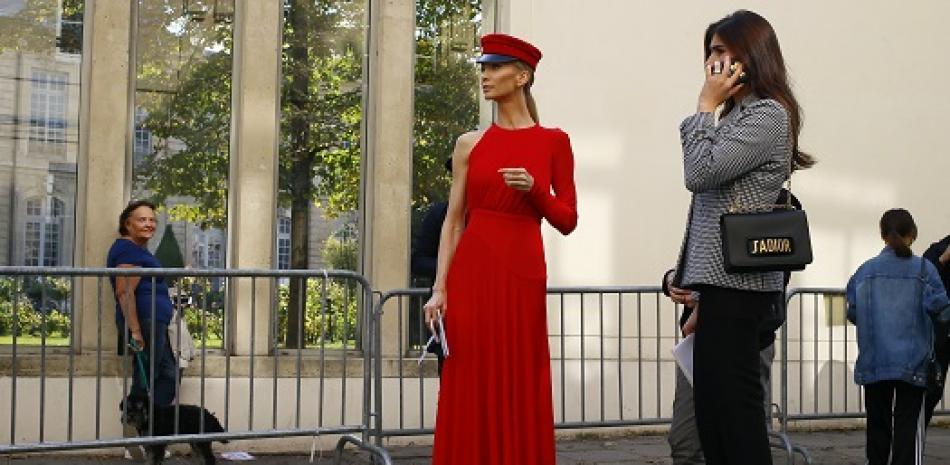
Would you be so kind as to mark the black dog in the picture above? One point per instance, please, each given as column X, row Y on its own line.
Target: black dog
column 136, row 411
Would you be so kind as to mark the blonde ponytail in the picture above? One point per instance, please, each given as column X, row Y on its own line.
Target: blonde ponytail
column 529, row 99
column 532, row 106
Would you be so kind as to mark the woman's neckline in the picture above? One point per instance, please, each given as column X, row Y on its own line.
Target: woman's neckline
column 133, row 241
column 526, row 128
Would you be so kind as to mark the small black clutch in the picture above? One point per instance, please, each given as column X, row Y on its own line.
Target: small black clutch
column 765, row 241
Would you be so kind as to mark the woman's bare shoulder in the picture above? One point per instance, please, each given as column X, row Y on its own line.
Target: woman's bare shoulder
column 466, row 142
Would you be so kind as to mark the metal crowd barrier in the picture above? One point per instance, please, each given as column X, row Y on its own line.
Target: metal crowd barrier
column 611, row 362
column 301, row 383
column 611, row 358
column 818, row 352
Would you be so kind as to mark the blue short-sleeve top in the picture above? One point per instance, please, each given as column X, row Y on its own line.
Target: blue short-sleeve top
column 126, row 252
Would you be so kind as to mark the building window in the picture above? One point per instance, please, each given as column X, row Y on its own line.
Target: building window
column 48, row 107
column 51, row 245
column 69, row 39
column 283, row 241
column 142, row 145
column 32, row 245
column 208, row 251
column 43, row 232
column 215, row 257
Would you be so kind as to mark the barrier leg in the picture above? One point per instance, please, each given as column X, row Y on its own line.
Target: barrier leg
column 379, row 455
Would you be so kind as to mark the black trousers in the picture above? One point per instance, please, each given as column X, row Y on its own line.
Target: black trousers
column 726, row 385
column 900, row 404
column 942, row 353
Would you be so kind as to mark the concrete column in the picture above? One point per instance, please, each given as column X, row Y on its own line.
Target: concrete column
column 253, row 173
column 388, row 171
column 492, row 10
column 103, row 164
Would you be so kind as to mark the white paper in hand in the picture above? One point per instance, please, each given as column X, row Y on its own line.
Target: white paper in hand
column 438, row 335
column 683, row 353
column 442, row 339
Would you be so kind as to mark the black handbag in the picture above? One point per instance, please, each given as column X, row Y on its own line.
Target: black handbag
column 765, row 241
column 775, row 240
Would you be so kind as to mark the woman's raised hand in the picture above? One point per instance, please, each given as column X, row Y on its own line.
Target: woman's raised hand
column 720, row 84
column 517, row 178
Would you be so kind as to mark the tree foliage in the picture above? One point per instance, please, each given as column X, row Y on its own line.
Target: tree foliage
column 189, row 103
column 39, row 26
column 446, row 93
column 184, row 88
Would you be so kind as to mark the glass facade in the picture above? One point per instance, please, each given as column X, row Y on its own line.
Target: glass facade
column 182, row 121
column 40, row 59
column 321, row 104
column 445, row 107
column 181, row 136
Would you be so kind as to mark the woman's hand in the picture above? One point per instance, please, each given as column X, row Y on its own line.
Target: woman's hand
column 435, row 307
column 517, row 178
column 683, row 296
column 720, row 85
column 139, row 340
column 690, row 326
column 945, row 257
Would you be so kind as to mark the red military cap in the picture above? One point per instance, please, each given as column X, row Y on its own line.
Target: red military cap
column 503, row 48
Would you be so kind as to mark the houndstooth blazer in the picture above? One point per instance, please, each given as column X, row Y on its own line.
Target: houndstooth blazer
column 742, row 160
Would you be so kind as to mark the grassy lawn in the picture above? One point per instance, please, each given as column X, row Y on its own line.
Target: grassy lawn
column 34, row 341
column 211, row 343
column 64, row 341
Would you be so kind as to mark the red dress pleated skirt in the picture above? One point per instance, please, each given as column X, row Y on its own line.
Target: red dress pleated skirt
column 495, row 404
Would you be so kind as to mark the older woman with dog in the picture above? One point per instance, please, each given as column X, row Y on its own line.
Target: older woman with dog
column 143, row 306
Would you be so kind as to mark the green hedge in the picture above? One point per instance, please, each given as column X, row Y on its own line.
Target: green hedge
column 331, row 322
column 29, row 321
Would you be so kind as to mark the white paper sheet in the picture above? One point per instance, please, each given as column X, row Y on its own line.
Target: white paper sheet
column 683, row 353
column 237, row 456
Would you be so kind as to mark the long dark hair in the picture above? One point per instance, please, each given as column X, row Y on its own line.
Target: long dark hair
column 127, row 212
column 752, row 40
column 896, row 226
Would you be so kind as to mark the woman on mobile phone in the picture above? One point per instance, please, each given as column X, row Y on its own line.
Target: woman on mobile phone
column 740, row 159
column 495, row 396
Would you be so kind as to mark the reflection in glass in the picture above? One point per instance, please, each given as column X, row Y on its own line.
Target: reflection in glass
column 181, row 131
column 324, row 49
column 446, row 106
column 40, row 56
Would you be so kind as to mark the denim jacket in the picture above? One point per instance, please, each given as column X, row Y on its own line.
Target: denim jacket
column 893, row 303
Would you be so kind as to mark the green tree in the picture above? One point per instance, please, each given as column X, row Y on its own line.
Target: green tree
column 168, row 252
column 31, row 26
column 321, row 108
column 446, row 92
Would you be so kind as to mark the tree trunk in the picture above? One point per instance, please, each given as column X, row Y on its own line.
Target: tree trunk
column 301, row 188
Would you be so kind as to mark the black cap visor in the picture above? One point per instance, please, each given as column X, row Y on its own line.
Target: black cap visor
column 494, row 58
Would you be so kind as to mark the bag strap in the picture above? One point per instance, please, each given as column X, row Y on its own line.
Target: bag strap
column 736, row 206
column 920, row 296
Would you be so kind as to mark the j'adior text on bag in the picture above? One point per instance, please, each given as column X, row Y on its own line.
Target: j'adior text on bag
column 765, row 241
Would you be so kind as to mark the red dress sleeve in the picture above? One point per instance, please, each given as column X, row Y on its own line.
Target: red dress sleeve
column 560, row 208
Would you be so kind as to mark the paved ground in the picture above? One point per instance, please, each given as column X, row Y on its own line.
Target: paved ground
column 826, row 447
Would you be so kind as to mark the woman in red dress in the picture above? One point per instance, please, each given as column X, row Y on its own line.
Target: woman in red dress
column 495, row 404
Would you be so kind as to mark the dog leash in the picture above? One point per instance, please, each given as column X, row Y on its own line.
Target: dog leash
column 140, row 361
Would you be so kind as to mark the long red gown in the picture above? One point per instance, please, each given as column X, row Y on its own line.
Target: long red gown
column 495, row 404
